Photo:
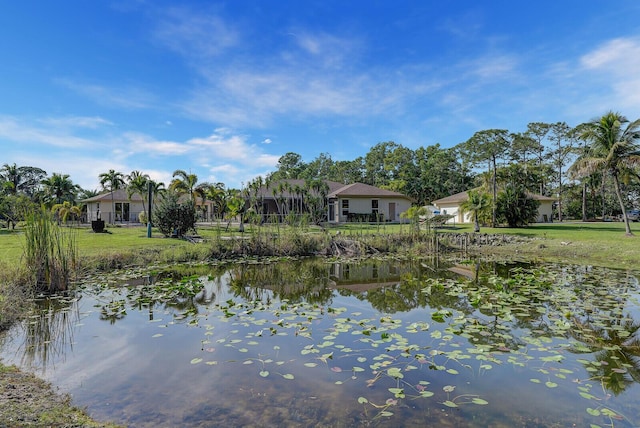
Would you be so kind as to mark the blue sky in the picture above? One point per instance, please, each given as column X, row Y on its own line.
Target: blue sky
column 223, row 89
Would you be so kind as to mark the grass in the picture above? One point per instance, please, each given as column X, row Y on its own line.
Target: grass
column 603, row 244
column 599, row 244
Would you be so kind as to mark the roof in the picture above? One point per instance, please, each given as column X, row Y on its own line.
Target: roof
column 364, row 190
column 458, row 198
column 336, row 190
column 118, row 195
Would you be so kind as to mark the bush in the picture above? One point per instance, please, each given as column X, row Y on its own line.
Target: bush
column 515, row 207
column 173, row 218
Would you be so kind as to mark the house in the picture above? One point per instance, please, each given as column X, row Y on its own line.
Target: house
column 341, row 203
column 101, row 207
column 362, row 202
column 451, row 206
column 125, row 209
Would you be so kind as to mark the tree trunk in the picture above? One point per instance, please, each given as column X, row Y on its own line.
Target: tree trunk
column 584, row 201
column 495, row 191
column 624, row 211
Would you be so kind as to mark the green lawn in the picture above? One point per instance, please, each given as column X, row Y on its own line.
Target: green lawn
column 595, row 243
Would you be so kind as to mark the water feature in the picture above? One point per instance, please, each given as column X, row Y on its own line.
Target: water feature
column 362, row 343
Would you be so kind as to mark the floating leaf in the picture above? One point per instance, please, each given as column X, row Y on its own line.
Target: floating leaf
column 479, row 401
column 288, row 376
column 362, row 400
column 196, row 360
column 593, row 412
column 450, row 403
column 310, row 364
column 264, row 373
column 550, row 384
column 157, row 335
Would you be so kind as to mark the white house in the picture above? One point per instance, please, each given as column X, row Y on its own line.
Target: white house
column 451, row 206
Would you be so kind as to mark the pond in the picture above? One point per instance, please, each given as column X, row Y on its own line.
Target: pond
column 344, row 344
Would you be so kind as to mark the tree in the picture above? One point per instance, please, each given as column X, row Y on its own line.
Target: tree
column 477, row 203
column 21, row 179
column 173, row 218
column 64, row 210
column 184, row 183
column 112, row 181
column 613, row 150
column 138, row 183
column 515, row 207
column 538, row 131
column 290, row 166
column 59, row 188
column 488, row 146
column 563, row 137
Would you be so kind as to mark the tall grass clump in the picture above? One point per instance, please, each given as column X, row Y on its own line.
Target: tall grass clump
column 50, row 252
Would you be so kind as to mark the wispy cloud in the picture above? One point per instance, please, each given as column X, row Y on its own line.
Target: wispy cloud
column 615, row 66
column 195, row 35
column 128, row 97
column 47, row 131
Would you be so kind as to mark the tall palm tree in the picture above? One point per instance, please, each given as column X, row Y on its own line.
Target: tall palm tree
column 613, row 150
column 112, row 180
column 137, row 183
column 59, row 188
column 478, row 202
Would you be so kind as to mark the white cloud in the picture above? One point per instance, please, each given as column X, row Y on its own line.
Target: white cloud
column 25, row 132
column 615, row 79
column 195, row 34
column 131, row 98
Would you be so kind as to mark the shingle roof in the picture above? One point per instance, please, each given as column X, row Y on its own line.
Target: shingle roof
column 335, row 190
column 118, row 195
column 365, row 190
column 463, row 196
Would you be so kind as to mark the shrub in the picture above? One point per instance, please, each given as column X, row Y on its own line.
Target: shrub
column 173, row 218
column 515, row 207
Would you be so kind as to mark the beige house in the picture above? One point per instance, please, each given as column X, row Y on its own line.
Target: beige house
column 451, row 206
column 100, row 207
column 362, row 202
column 125, row 209
column 345, row 203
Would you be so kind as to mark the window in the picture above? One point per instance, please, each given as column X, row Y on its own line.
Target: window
column 374, row 206
column 345, row 207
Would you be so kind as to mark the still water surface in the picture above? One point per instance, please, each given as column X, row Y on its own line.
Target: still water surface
column 369, row 343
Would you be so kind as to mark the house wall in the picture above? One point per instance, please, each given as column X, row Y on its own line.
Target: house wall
column 364, row 206
column 104, row 210
column 545, row 209
column 454, row 209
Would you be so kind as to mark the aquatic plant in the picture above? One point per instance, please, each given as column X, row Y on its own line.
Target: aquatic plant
column 50, row 252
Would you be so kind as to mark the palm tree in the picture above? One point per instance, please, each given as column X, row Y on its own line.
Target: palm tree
column 59, row 188
column 63, row 210
column 137, row 182
column 477, row 203
column 187, row 183
column 21, row 179
column 111, row 181
column 612, row 150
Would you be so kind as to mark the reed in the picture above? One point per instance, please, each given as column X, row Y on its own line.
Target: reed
column 50, row 252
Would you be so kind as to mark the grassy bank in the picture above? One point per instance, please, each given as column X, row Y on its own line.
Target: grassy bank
column 27, row 401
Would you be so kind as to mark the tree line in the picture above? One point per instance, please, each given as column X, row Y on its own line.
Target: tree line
column 591, row 169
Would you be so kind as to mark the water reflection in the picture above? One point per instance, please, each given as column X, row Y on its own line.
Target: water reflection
column 362, row 343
